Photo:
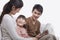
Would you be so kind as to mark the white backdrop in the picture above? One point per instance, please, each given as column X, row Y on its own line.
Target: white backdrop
column 50, row 14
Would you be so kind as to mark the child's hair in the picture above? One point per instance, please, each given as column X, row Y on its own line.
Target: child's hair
column 23, row 17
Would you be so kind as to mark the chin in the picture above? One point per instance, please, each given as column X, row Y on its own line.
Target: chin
column 36, row 17
column 21, row 25
column 14, row 14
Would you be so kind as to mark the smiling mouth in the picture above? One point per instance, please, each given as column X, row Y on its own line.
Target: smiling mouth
column 36, row 17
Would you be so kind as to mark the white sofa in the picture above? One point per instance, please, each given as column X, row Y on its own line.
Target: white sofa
column 48, row 27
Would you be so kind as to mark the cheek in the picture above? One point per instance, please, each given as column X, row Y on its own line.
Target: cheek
column 17, row 10
column 35, row 15
column 20, row 24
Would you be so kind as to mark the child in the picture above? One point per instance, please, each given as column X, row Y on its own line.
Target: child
column 21, row 29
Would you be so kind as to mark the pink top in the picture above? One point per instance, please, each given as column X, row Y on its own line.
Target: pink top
column 22, row 32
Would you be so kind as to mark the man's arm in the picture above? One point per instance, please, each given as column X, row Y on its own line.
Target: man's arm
column 38, row 31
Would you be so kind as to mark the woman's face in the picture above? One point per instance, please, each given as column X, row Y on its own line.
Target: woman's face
column 15, row 10
column 21, row 22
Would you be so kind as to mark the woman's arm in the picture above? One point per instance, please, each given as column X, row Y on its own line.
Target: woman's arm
column 10, row 26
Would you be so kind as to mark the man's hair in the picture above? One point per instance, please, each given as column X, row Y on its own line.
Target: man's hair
column 38, row 7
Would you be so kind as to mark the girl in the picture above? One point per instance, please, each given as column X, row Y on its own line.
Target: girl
column 21, row 26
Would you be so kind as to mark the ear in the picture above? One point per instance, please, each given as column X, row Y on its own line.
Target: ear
column 13, row 8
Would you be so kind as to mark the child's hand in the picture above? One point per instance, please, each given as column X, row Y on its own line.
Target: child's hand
column 25, row 36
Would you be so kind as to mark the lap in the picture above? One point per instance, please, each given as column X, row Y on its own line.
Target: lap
column 48, row 37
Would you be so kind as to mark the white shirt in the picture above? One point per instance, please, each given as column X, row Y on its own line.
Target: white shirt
column 9, row 28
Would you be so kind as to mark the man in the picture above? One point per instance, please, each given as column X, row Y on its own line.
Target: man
column 33, row 27
column 33, row 23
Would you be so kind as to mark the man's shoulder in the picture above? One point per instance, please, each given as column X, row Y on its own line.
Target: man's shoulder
column 28, row 19
column 38, row 21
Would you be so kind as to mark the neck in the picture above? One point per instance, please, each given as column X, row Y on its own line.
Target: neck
column 11, row 14
column 33, row 18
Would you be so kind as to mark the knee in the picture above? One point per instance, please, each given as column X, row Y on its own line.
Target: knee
column 52, row 36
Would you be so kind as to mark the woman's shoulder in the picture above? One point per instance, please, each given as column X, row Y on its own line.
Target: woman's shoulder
column 6, row 16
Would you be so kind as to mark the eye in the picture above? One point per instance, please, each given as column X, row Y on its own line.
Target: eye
column 38, row 13
column 35, row 12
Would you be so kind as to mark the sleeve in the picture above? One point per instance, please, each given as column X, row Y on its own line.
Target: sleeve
column 38, row 31
column 27, row 27
column 10, row 26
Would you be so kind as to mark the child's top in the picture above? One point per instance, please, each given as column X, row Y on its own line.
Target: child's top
column 22, row 32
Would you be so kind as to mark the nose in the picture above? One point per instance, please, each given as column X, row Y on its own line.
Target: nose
column 37, row 15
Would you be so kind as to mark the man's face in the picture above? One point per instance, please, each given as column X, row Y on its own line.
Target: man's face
column 36, row 14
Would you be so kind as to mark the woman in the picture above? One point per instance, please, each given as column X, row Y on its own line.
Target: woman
column 7, row 22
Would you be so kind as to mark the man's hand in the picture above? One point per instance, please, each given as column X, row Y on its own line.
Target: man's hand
column 38, row 36
column 45, row 32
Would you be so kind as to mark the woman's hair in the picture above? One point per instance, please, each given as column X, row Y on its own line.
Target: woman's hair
column 8, row 7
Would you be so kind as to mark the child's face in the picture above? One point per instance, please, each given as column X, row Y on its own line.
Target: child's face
column 21, row 21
